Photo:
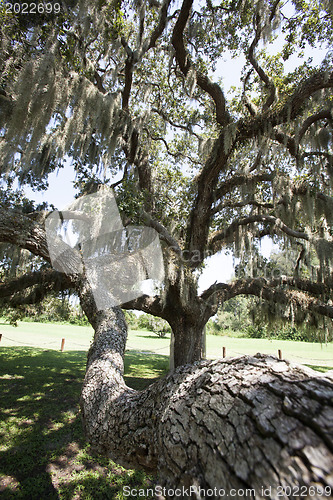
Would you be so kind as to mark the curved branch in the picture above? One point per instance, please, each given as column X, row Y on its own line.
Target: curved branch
column 252, row 108
column 321, row 115
column 261, row 73
column 295, row 104
column 183, row 58
column 21, row 230
column 286, row 140
column 267, row 290
column 293, row 143
column 163, row 232
column 59, row 280
column 157, row 32
column 228, row 231
column 292, row 108
column 244, row 129
column 161, row 113
column 241, row 204
column 147, row 304
column 241, row 180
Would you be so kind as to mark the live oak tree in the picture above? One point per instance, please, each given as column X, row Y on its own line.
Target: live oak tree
column 135, row 88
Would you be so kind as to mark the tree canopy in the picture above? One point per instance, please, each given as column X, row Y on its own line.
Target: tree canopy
column 137, row 88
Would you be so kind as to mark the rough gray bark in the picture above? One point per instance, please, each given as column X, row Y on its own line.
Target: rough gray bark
column 251, row 422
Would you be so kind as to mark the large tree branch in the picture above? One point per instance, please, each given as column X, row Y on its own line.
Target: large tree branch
column 224, row 234
column 184, row 61
column 50, row 277
column 226, row 142
column 321, row 115
column 134, row 56
column 240, row 204
column 21, row 230
column 36, row 294
column 157, row 32
column 240, row 180
column 291, row 109
column 273, row 292
column 162, row 230
column 129, row 65
column 313, row 288
column 293, row 143
column 286, row 140
column 251, row 107
column 260, row 71
column 146, row 303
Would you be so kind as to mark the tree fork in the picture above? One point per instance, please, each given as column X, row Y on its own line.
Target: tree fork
column 251, row 422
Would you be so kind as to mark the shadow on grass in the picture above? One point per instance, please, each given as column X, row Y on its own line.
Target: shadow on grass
column 43, row 453
column 143, row 369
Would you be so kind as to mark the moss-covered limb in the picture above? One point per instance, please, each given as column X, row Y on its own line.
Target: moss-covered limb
column 306, row 295
column 292, row 143
column 237, row 180
column 186, row 65
column 27, row 280
column 241, row 204
column 41, row 283
column 21, row 230
column 234, row 135
column 259, row 27
column 227, row 233
column 162, row 231
column 146, row 303
column 250, row 106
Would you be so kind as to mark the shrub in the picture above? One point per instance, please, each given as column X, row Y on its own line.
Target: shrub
column 156, row 325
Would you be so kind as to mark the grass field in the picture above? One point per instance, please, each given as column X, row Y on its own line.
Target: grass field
column 43, row 454
column 49, row 336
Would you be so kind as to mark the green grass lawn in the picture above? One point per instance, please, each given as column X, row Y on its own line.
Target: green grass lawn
column 43, row 454
column 299, row 352
column 49, row 336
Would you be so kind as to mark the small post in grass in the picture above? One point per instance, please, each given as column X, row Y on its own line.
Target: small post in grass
column 62, row 345
column 280, row 354
column 0, row 336
column 223, row 351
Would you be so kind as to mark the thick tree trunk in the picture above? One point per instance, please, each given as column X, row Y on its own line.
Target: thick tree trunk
column 248, row 423
column 188, row 344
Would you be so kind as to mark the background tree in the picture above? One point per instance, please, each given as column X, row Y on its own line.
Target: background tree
column 132, row 89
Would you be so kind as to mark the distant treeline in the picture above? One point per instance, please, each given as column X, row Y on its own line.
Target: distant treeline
column 235, row 318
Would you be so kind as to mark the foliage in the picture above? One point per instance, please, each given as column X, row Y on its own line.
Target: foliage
column 233, row 315
column 157, row 325
column 287, row 332
column 131, row 320
column 51, row 309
